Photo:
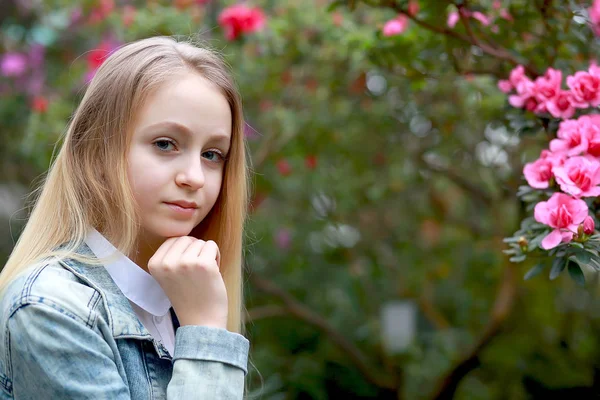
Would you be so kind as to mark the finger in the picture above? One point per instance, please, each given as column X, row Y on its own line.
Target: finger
column 193, row 251
column 159, row 255
column 210, row 253
column 177, row 249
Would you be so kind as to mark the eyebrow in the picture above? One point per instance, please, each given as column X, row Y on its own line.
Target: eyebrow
column 217, row 137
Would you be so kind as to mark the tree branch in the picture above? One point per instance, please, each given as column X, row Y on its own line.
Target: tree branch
column 302, row 312
column 500, row 53
column 262, row 312
column 477, row 193
column 502, row 305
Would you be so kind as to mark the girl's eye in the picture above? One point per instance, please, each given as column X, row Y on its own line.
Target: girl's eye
column 213, row 155
column 163, row 144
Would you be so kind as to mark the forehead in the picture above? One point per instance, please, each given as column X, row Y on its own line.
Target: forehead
column 188, row 100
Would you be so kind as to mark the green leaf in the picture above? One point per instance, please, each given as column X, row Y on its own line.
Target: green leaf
column 575, row 244
column 576, row 274
column 558, row 265
column 518, row 259
column 534, row 271
column 583, row 258
column 335, row 5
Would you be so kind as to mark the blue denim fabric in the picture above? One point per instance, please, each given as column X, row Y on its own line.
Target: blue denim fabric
column 68, row 332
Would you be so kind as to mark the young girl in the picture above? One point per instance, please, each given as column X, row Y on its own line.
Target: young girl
column 116, row 288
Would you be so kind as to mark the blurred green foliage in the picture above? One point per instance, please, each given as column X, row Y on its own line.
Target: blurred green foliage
column 385, row 170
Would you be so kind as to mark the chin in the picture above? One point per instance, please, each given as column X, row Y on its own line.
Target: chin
column 169, row 230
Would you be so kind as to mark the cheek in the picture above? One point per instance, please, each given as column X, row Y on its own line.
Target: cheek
column 143, row 175
column 216, row 187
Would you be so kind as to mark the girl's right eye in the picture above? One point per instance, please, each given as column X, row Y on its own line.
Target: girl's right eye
column 163, row 144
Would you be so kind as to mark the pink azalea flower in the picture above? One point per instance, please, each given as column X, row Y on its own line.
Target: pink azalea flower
column 579, row 176
column 594, row 13
column 585, row 87
column 548, row 85
column 538, row 173
column 240, row 19
column 561, row 106
column 525, row 97
column 570, row 139
column 13, row 64
column 564, row 214
column 396, row 26
column 516, row 76
column 505, row 86
column 589, row 125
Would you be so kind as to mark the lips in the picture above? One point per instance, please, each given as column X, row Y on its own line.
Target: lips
column 183, row 204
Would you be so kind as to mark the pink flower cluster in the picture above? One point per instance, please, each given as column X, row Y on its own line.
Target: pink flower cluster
column 545, row 94
column 240, row 19
column 573, row 163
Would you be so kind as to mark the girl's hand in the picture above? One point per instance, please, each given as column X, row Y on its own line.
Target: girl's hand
column 187, row 269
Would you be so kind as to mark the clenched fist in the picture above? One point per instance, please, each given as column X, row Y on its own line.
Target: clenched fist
column 187, row 269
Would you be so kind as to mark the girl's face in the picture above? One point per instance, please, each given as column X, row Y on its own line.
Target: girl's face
column 177, row 156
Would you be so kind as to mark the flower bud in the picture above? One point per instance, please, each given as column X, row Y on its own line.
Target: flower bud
column 523, row 243
column 588, row 225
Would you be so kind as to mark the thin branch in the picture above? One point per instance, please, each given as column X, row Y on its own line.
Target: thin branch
column 262, row 312
column 500, row 53
column 477, row 193
column 502, row 305
column 429, row 310
column 302, row 312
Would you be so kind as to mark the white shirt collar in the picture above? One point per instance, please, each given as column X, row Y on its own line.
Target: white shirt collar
column 136, row 284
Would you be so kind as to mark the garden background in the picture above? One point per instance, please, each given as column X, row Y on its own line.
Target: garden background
column 386, row 165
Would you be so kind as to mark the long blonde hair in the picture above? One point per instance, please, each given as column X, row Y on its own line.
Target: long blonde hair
column 87, row 184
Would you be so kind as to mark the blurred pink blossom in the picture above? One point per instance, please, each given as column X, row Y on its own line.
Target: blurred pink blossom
column 564, row 214
column 413, row 7
column 481, row 17
column 453, row 18
column 594, row 13
column 505, row 86
column 13, row 64
column 283, row 238
column 396, row 26
column 240, row 19
column 579, row 176
column 506, row 15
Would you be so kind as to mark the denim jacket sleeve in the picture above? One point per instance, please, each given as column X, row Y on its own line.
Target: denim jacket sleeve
column 61, row 355
column 209, row 363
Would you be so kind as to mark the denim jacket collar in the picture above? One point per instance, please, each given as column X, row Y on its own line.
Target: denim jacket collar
column 123, row 320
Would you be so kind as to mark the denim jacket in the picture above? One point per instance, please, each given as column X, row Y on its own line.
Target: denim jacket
column 68, row 332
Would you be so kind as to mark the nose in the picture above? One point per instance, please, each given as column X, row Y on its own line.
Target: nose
column 191, row 176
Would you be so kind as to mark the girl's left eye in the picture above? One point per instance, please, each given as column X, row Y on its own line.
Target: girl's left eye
column 163, row 144
column 213, row 155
